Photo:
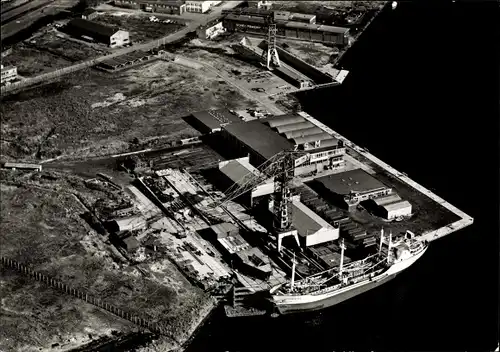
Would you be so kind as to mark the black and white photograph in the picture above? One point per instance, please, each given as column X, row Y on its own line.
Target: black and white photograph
column 249, row 176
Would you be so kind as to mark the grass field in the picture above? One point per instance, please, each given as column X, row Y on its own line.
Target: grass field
column 141, row 29
column 96, row 113
column 42, row 227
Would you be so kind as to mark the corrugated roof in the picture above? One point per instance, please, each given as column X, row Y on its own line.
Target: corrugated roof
column 282, row 120
column 311, row 138
column 259, row 138
column 238, row 170
column 316, row 27
column 303, row 132
column 305, row 220
column 92, row 27
column 398, row 205
column 213, row 119
column 356, row 180
column 294, row 126
column 390, row 198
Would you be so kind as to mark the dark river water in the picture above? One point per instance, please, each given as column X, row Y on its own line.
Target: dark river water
column 420, row 94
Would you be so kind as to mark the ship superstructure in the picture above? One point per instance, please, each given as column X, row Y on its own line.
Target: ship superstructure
column 336, row 285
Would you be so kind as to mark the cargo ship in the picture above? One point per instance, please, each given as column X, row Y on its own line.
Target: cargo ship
column 336, row 285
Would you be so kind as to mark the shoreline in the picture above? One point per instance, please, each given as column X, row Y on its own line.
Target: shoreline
column 207, row 312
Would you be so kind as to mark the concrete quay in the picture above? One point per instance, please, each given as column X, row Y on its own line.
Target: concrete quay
column 465, row 220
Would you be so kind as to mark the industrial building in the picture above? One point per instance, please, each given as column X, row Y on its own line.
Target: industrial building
column 351, row 187
column 130, row 223
column 89, row 14
column 391, row 206
column 161, row 6
column 260, row 4
column 286, row 28
column 238, row 171
column 93, row 31
column 198, row 6
column 211, row 121
column 210, row 30
column 8, row 74
column 264, row 138
column 311, row 227
column 23, row 166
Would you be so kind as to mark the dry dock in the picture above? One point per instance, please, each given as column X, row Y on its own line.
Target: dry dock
column 465, row 220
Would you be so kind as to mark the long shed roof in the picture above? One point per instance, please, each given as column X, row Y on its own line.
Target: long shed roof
column 307, row 221
column 259, row 138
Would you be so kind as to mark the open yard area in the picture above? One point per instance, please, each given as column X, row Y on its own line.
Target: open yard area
column 42, row 226
column 95, row 113
column 141, row 29
column 30, row 61
column 316, row 54
column 64, row 46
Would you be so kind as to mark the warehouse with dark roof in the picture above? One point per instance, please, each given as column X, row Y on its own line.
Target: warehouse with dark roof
column 351, row 187
column 210, row 121
column 93, row 31
column 262, row 139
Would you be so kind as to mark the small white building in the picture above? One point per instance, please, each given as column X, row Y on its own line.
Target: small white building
column 394, row 210
column 23, row 166
column 210, row 31
column 8, row 73
column 199, row 6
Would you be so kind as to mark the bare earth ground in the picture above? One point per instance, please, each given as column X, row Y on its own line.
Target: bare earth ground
column 315, row 54
column 68, row 48
column 41, row 226
column 96, row 113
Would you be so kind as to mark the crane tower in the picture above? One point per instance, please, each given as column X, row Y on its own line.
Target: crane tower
column 271, row 54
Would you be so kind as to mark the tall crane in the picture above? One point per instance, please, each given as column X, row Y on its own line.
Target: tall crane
column 271, row 54
column 281, row 168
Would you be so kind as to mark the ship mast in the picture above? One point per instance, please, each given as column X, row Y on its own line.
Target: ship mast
column 342, row 248
column 292, row 282
column 389, row 247
column 381, row 241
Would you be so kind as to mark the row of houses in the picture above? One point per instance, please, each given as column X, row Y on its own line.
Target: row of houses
column 170, row 7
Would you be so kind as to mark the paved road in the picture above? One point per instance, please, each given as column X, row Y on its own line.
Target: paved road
column 192, row 26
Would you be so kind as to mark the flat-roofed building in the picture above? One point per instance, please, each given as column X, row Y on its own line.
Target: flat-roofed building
column 302, row 17
column 160, row 6
column 89, row 14
column 210, row 121
column 210, row 30
column 198, row 6
column 8, row 74
column 239, row 171
column 84, row 29
column 351, row 187
column 131, row 244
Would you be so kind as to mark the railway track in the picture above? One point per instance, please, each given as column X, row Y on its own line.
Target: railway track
column 22, row 10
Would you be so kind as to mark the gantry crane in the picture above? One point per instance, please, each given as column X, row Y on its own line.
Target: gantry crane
column 281, row 168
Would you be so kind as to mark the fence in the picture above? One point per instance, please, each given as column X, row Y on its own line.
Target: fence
column 46, row 77
column 144, row 323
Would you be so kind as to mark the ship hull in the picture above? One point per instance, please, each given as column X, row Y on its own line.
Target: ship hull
column 333, row 300
column 307, row 303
